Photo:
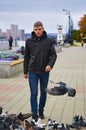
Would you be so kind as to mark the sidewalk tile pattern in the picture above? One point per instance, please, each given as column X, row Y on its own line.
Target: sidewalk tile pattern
column 70, row 68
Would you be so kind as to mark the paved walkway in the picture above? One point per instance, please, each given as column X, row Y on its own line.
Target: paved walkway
column 70, row 67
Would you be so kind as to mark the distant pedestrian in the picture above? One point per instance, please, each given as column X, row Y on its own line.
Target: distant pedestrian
column 82, row 43
column 10, row 42
column 39, row 59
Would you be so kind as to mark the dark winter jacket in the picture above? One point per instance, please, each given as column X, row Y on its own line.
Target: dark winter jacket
column 39, row 52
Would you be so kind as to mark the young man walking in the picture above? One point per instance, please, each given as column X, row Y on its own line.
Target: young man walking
column 39, row 59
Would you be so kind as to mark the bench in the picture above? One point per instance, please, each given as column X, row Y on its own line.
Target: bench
column 8, row 69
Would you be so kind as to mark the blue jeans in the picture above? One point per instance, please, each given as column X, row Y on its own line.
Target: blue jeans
column 33, row 82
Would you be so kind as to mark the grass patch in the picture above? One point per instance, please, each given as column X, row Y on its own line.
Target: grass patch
column 76, row 44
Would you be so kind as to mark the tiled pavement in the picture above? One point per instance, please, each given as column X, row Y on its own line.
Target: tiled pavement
column 70, row 67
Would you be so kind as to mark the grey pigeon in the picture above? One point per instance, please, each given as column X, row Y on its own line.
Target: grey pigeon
column 62, row 89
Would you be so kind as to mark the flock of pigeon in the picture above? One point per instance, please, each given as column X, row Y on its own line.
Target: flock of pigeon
column 21, row 122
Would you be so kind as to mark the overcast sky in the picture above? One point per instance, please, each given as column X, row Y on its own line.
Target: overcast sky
column 25, row 12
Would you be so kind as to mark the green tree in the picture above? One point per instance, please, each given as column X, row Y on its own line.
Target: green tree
column 76, row 35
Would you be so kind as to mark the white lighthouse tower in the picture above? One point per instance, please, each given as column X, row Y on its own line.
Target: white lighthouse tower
column 60, row 35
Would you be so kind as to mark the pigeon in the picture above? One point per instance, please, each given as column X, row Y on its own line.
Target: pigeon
column 62, row 89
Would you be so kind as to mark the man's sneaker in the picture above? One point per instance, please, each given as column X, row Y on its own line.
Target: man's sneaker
column 35, row 117
column 41, row 115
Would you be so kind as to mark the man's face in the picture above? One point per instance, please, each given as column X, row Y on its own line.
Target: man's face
column 38, row 31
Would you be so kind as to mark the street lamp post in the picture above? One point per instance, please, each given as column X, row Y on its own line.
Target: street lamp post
column 70, row 28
